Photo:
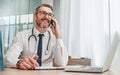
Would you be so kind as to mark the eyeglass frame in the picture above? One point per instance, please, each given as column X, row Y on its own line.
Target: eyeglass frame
column 45, row 13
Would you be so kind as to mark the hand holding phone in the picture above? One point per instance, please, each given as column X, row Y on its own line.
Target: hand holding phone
column 55, row 28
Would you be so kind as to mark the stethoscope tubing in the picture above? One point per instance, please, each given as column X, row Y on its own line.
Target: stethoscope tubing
column 32, row 35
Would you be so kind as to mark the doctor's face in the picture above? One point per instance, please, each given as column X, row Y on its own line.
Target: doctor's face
column 43, row 17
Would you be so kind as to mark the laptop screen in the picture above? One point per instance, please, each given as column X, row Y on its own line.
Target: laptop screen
column 112, row 51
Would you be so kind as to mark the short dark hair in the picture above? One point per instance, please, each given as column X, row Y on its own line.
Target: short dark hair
column 45, row 5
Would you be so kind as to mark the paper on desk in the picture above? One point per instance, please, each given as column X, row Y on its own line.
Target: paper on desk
column 49, row 68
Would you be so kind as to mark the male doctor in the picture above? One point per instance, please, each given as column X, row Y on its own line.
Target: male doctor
column 39, row 45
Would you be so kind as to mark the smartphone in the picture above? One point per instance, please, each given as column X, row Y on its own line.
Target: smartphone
column 52, row 23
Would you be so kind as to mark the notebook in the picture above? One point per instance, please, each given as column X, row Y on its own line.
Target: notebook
column 107, row 63
column 49, row 68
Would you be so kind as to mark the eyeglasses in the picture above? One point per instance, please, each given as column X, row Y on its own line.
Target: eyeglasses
column 45, row 13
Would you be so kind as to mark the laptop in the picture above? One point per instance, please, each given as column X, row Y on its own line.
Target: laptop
column 107, row 63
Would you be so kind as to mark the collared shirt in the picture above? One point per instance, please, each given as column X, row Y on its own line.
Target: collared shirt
column 21, row 48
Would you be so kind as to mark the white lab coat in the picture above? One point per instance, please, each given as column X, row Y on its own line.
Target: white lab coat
column 19, row 49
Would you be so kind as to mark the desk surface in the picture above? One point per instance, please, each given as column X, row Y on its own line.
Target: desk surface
column 10, row 71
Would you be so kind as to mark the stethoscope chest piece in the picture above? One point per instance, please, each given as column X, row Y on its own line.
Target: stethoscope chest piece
column 46, row 52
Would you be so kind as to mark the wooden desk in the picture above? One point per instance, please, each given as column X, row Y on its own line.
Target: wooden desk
column 10, row 71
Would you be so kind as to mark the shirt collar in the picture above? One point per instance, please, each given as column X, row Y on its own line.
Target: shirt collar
column 36, row 32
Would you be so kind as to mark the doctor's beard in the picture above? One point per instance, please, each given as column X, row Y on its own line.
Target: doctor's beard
column 43, row 26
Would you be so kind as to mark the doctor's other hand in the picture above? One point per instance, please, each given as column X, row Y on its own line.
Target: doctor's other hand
column 28, row 63
column 55, row 29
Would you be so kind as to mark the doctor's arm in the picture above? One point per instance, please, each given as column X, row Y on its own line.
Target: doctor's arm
column 60, row 52
column 13, row 53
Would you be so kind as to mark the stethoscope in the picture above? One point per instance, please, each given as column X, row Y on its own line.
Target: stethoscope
column 32, row 35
